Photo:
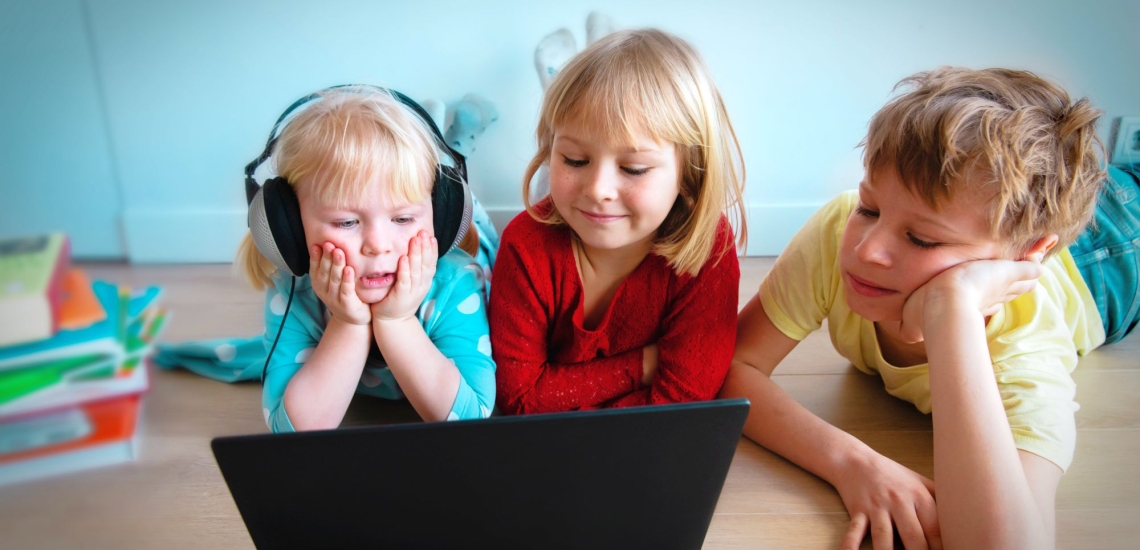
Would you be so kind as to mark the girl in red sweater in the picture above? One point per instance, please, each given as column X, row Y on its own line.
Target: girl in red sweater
column 620, row 286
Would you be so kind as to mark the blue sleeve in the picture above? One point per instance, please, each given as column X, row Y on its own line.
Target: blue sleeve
column 457, row 324
column 300, row 332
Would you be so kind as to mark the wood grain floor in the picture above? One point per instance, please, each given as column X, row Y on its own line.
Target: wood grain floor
column 174, row 495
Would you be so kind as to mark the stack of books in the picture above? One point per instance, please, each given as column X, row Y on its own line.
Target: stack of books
column 72, row 362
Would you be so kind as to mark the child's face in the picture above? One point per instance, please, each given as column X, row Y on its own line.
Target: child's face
column 894, row 243
column 612, row 196
column 373, row 233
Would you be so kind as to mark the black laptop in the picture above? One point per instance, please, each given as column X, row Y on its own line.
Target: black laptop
column 642, row 477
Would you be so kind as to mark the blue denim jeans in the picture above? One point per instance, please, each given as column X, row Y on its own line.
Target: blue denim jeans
column 1107, row 253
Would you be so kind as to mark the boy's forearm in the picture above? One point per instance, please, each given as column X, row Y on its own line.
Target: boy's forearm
column 780, row 424
column 319, row 393
column 428, row 379
column 984, row 499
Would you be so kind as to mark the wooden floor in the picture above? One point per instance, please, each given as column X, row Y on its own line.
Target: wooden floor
column 174, row 495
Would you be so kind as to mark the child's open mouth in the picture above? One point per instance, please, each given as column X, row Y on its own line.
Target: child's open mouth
column 377, row 280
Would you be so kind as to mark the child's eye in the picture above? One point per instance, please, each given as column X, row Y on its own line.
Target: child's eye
column 346, row 224
column 863, row 211
column 574, row 162
column 634, row 171
column 403, row 220
column 921, row 243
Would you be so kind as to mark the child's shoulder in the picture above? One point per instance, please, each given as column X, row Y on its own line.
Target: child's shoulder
column 525, row 231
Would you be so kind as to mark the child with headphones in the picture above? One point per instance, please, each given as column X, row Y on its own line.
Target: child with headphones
column 620, row 286
column 375, row 279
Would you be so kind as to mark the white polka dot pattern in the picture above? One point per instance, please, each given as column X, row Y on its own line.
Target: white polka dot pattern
column 225, row 352
column 277, row 304
column 470, row 305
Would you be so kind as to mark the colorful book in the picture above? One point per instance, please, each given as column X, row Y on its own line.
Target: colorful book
column 59, row 442
column 108, row 337
column 32, row 270
column 80, row 308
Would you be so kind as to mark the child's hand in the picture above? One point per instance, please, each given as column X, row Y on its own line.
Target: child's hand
column 648, row 364
column 335, row 284
column 984, row 285
column 413, row 279
column 882, row 495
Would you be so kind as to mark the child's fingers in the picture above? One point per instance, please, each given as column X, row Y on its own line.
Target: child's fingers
column 910, row 530
column 882, row 531
column 415, row 260
column 403, row 275
column 336, row 270
column 855, row 531
column 347, row 283
column 314, row 258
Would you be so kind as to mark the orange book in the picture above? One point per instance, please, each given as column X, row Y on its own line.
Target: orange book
column 106, row 433
column 80, row 307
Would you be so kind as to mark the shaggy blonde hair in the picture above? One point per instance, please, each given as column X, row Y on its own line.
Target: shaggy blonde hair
column 1009, row 133
column 648, row 81
column 335, row 147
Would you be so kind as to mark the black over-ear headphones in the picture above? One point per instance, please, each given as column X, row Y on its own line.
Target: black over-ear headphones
column 275, row 214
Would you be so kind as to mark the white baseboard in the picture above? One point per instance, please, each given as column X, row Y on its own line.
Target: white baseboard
column 213, row 236
column 181, row 236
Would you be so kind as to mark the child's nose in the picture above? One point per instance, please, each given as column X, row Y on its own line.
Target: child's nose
column 872, row 248
column 375, row 243
column 602, row 184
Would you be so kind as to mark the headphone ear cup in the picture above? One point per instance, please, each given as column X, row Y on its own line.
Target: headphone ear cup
column 451, row 208
column 275, row 223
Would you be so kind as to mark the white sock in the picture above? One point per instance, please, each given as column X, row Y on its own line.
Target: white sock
column 552, row 53
column 598, row 25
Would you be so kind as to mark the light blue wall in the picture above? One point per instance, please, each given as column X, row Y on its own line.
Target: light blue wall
column 176, row 96
column 56, row 167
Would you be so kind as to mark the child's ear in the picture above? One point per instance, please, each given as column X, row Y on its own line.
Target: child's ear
column 1036, row 251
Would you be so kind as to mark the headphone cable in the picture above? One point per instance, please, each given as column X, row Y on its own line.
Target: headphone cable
column 289, row 304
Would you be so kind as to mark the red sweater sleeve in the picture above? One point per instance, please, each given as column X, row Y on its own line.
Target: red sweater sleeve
column 522, row 310
column 698, row 333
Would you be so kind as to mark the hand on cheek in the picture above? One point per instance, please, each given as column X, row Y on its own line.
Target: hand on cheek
column 413, row 279
column 979, row 285
column 334, row 282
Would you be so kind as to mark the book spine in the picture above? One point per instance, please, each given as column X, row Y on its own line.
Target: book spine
column 55, row 292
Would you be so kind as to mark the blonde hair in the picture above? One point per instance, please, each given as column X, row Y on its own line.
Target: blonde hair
column 334, row 148
column 1008, row 132
column 653, row 82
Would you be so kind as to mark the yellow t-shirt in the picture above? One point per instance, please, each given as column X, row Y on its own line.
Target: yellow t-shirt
column 1033, row 341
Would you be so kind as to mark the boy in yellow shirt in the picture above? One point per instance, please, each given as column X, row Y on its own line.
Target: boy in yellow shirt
column 961, row 272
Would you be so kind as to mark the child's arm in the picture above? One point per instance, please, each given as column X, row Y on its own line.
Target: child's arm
column 992, row 495
column 428, row 379
column 879, row 493
column 318, row 395
column 520, row 319
column 695, row 350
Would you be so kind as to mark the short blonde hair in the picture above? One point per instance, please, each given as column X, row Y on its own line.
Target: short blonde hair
column 334, row 148
column 653, row 82
column 1000, row 130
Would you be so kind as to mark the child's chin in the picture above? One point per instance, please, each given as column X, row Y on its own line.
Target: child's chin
column 371, row 295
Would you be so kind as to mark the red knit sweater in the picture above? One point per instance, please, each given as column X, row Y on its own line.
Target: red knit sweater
column 548, row 362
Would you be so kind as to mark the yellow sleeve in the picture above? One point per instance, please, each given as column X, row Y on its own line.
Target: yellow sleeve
column 799, row 291
column 1033, row 354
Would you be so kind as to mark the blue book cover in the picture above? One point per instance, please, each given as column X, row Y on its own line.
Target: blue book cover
column 106, row 337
